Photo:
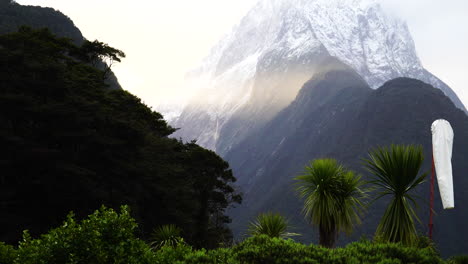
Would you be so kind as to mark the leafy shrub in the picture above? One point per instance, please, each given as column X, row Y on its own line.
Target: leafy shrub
column 371, row 252
column 105, row 236
column 216, row 256
column 184, row 254
column 425, row 242
column 169, row 255
column 263, row 249
column 458, row 260
column 7, row 253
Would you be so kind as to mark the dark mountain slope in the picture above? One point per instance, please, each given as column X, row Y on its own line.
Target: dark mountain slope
column 345, row 126
column 13, row 16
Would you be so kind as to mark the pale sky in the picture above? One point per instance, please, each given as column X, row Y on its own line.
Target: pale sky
column 163, row 39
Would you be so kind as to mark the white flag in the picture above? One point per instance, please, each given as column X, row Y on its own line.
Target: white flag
column 442, row 143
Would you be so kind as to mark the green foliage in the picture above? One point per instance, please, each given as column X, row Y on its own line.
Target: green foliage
column 270, row 224
column 166, row 235
column 72, row 143
column 423, row 241
column 262, row 249
column 108, row 237
column 396, row 173
column 333, row 198
column 458, row 260
column 105, row 236
column 168, row 254
column 7, row 254
column 371, row 252
column 184, row 254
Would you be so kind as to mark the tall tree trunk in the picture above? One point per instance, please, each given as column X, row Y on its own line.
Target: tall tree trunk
column 327, row 238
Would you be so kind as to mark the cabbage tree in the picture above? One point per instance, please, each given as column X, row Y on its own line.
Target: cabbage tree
column 396, row 172
column 333, row 198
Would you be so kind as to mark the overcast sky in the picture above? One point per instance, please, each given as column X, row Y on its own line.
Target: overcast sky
column 163, row 39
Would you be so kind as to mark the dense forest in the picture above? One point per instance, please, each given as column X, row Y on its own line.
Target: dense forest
column 69, row 143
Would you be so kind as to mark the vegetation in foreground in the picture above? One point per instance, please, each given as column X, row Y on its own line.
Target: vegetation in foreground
column 107, row 236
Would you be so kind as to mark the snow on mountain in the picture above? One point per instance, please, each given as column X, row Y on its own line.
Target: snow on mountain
column 276, row 48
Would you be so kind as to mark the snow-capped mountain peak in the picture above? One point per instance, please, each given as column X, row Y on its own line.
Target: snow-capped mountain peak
column 259, row 67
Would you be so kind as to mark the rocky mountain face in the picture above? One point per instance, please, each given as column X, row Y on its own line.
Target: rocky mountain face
column 258, row 69
column 337, row 115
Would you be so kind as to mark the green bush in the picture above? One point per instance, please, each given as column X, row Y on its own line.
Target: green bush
column 184, row 254
column 425, row 242
column 105, row 236
column 263, row 249
column 371, row 252
column 7, row 253
column 458, row 260
column 168, row 254
column 108, row 237
column 216, row 256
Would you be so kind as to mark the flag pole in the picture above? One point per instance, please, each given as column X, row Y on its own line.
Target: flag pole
column 431, row 212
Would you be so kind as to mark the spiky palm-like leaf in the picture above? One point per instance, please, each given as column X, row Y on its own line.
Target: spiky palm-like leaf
column 333, row 198
column 396, row 173
column 272, row 225
column 166, row 235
